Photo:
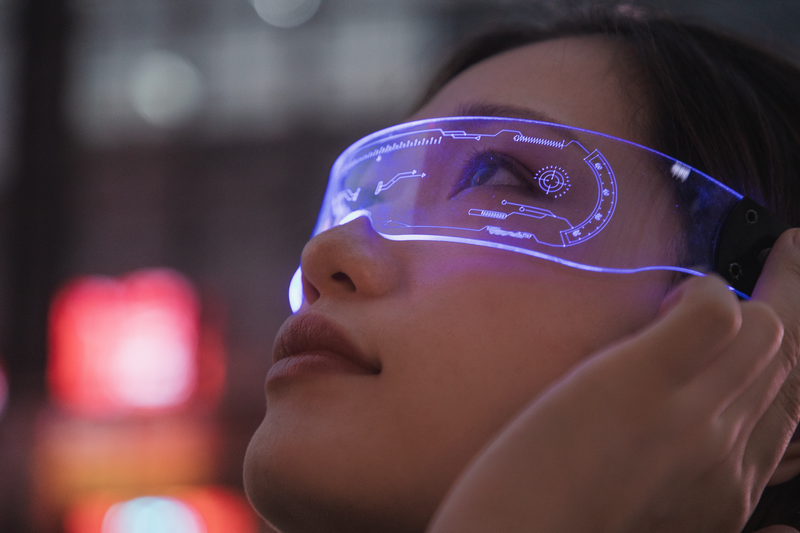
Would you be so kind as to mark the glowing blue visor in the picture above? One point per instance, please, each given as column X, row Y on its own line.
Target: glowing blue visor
column 576, row 197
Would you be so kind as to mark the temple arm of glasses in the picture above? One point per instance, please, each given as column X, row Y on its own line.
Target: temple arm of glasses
column 744, row 242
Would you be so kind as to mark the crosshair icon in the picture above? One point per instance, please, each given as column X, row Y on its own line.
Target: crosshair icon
column 553, row 180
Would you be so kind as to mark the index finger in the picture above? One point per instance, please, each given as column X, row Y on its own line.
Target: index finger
column 779, row 287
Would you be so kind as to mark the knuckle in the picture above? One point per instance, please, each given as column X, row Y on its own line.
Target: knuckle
column 717, row 311
column 741, row 502
column 789, row 399
column 791, row 343
column 762, row 319
column 743, row 494
column 793, row 267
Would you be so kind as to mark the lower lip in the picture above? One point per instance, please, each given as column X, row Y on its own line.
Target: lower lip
column 313, row 364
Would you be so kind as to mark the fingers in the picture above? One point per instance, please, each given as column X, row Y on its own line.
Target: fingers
column 779, row 287
column 701, row 319
column 745, row 379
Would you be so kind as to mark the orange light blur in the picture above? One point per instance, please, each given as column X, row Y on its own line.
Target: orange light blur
column 135, row 370
column 79, row 456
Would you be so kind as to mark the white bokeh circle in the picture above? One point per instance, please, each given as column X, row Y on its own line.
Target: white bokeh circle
column 286, row 13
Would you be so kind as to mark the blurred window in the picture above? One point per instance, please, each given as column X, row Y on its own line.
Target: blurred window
column 243, row 68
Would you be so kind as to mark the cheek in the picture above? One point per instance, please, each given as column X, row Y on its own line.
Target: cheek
column 475, row 350
column 464, row 344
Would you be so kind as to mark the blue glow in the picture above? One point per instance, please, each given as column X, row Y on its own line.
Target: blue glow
column 152, row 515
column 571, row 264
column 354, row 215
column 385, row 135
column 402, row 175
column 533, row 253
column 296, row 290
column 578, row 196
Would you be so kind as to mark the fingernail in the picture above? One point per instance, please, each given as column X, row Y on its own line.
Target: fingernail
column 797, row 237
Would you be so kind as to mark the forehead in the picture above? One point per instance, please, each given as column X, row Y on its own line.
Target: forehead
column 579, row 82
column 574, row 81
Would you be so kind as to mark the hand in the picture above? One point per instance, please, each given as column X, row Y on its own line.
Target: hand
column 676, row 429
column 777, row 288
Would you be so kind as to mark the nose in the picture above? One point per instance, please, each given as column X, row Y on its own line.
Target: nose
column 351, row 260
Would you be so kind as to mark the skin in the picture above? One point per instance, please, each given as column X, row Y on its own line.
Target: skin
column 466, row 338
column 680, row 411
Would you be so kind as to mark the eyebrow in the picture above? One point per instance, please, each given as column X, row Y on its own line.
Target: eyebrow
column 487, row 109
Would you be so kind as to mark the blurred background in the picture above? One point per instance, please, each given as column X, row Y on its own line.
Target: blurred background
column 161, row 164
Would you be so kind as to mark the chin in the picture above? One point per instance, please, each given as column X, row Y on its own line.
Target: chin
column 298, row 495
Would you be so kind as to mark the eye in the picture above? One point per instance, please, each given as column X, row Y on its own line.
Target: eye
column 493, row 169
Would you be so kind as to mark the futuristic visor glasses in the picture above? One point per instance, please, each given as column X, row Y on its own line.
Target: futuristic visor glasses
column 576, row 197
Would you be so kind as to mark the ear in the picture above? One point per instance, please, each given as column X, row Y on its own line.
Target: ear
column 789, row 466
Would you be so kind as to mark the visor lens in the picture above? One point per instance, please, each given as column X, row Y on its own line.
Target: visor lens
column 572, row 196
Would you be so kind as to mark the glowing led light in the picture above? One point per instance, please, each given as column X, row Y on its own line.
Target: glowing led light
column 127, row 344
column 286, row 13
column 296, row 290
column 165, row 89
column 152, row 515
column 680, row 171
column 354, row 215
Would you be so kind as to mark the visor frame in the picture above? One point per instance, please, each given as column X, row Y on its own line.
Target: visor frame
column 368, row 148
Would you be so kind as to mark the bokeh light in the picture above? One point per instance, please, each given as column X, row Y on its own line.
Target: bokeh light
column 151, row 514
column 207, row 509
column 76, row 455
column 286, row 13
column 121, row 345
column 165, row 89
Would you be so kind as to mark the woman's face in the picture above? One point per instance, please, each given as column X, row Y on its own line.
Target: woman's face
column 452, row 339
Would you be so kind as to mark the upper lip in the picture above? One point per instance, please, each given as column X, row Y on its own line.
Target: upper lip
column 312, row 333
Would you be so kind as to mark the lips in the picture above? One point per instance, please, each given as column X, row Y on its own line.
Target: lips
column 319, row 342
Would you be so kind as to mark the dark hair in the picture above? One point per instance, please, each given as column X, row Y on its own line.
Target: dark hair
column 726, row 106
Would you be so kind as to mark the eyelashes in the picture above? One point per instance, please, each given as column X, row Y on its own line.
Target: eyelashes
column 494, row 169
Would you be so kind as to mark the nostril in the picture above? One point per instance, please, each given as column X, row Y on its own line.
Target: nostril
column 310, row 292
column 344, row 279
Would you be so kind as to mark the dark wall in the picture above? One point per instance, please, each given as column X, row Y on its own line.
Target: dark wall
column 230, row 210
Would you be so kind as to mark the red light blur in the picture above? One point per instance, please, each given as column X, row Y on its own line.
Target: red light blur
column 124, row 345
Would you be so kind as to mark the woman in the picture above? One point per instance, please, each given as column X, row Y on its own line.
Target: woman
column 443, row 386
